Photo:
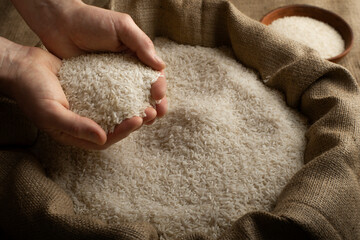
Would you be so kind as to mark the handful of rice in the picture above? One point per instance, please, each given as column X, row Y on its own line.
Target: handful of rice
column 107, row 87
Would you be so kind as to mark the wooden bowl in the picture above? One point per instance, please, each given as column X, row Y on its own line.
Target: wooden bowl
column 317, row 13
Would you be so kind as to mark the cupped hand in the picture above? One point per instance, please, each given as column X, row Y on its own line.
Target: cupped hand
column 38, row 93
column 86, row 28
column 68, row 29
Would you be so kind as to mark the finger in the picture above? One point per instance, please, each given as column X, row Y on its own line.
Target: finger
column 161, row 108
column 124, row 129
column 158, row 88
column 64, row 120
column 67, row 139
column 133, row 37
column 150, row 115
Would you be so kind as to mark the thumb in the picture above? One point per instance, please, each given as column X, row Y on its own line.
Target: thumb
column 64, row 120
column 135, row 39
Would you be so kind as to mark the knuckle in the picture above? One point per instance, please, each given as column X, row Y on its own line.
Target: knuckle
column 126, row 17
column 126, row 28
column 126, row 20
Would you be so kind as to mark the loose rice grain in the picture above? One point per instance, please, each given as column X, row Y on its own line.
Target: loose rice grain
column 107, row 87
column 227, row 146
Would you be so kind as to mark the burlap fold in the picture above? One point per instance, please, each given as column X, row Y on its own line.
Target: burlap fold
column 322, row 201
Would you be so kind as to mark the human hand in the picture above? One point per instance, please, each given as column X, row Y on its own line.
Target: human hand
column 70, row 28
column 28, row 75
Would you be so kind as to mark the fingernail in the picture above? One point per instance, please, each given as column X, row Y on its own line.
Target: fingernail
column 159, row 60
column 158, row 101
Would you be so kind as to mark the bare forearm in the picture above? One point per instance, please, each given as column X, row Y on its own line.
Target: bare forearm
column 43, row 15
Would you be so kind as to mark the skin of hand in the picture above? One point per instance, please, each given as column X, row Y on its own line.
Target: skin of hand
column 28, row 75
column 67, row 29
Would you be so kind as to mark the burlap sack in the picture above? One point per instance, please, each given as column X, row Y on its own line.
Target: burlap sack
column 322, row 201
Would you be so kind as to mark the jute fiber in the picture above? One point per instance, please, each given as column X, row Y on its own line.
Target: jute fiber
column 322, row 201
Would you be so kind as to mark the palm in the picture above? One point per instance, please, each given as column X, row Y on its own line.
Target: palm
column 67, row 30
column 91, row 29
column 39, row 84
column 43, row 101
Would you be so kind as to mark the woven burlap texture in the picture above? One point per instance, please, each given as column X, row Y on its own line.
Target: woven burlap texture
column 321, row 201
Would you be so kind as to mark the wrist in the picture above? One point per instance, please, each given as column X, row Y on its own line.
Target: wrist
column 10, row 61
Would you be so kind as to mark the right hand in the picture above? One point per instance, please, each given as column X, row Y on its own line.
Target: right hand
column 70, row 28
column 28, row 75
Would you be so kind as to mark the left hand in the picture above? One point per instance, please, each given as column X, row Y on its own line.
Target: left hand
column 70, row 28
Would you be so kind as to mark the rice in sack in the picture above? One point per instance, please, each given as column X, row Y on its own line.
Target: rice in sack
column 227, row 146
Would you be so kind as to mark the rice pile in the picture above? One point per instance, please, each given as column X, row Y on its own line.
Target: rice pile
column 227, row 146
column 313, row 33
column 107, row 88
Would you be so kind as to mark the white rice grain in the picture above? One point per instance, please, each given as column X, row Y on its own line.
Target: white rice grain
column 311, row 32
column 107, row 87
column 227, row 146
